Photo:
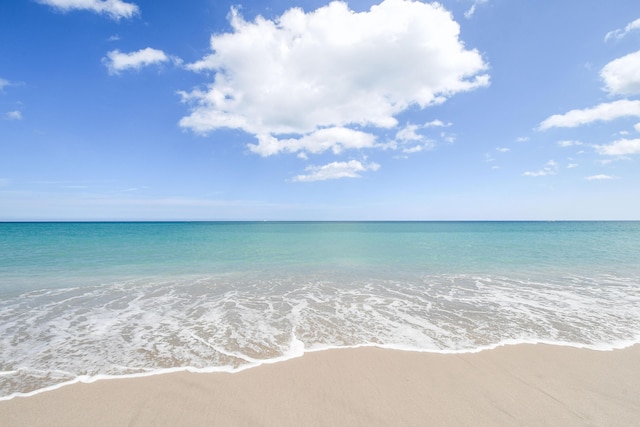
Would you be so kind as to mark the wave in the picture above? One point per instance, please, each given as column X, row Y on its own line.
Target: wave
column 50, row 338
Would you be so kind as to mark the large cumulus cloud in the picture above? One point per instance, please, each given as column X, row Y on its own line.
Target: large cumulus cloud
column 309, row 82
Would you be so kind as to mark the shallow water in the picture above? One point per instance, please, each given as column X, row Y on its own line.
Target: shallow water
column 85, row 300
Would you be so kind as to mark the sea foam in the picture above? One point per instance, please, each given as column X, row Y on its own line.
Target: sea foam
column 230, row 323
column 86, row 301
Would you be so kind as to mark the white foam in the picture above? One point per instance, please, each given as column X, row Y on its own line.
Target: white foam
column 298, row 350
column 231, row 323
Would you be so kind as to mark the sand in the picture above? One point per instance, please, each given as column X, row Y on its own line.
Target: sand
column 509, row 386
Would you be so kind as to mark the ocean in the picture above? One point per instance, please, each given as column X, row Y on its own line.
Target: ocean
column 88, row 301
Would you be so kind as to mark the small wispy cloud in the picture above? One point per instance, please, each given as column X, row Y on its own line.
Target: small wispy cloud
column 426, row 146
column 622, row 32
column 600, row 177
column 503, row 149
column 449, row 138
column 621, row 147
column 469, row 13
column 551, row 168
column 408, row 133
column 409, row 136
column 436, row 123
column 522, row 139
column 569, row 143
column 4, row 84
column 117, row 61
column 116, row 9
column 134, row 189
column 13, row 115
column 605, row 112
column 75, row 187
column 336, row 170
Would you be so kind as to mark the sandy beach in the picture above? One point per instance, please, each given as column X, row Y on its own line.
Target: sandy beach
column 514, row 385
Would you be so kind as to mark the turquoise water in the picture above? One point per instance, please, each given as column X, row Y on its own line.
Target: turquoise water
column 79, row 301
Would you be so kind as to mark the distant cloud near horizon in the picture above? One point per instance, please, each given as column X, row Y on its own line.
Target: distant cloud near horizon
column 336, row 170
column 550, row 168
column 116, row 9
column 569, row 143
column 599, row 177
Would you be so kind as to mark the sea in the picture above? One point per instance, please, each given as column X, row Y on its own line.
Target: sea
column 84, row 301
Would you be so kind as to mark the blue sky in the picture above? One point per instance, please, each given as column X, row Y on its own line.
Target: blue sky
column 311, row 110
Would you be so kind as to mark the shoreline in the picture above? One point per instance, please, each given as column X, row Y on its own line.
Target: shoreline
column 523, row 384
column 90, row 379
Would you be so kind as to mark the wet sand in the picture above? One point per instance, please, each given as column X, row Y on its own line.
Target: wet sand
column 508, row 386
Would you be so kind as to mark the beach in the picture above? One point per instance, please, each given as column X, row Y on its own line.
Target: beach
column 319, row 323
column 511, row 385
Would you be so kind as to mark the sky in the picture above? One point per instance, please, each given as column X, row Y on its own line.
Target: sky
column 319, row 110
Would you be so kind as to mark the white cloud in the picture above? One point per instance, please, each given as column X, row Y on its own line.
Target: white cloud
column 599, row 177
column 551, row 168
column 408, row 133
column 604, row 112
column 572, row 165
column 449, row 138
column 622, row 76
column 117, row 61
column 331, row 68
column 336, row 170
column 621, row 32
column 116, row 9
column 637, row 127
column 502, row 149
column 569, row 143
column 4, row 83
column 408, row 140
column 335, row 139
column 522, row 139
column 13, row 115
column 426, row 146
column 620, row 147
column 436, row 123
column 469, row 13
